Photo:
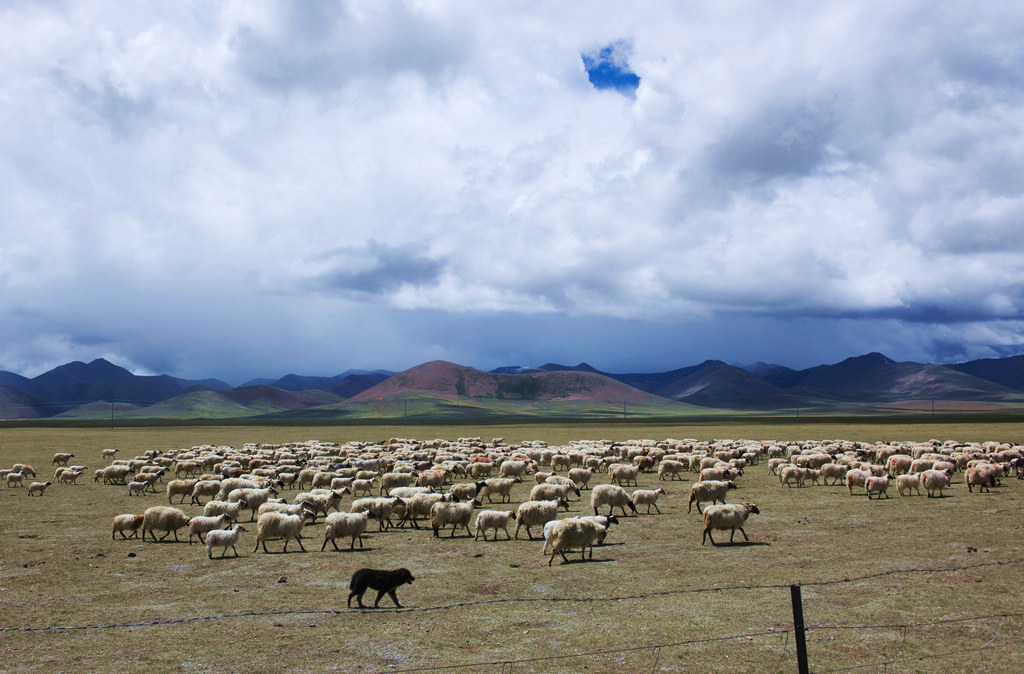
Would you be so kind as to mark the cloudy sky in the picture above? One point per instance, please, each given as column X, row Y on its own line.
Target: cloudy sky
column 250, row 189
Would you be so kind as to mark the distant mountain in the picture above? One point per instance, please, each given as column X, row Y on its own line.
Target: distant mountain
column 236, row 403
column 1007, row 372
column 778, row 375
column 449, row 380
column 16, row 404
column 346, row 384
column 77, row 383
column 12, row 379
column 202, row 384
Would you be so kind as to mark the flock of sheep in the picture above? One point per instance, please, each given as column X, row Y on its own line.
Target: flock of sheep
column 285, row 488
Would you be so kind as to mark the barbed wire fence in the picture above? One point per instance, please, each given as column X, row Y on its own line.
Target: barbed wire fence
column 795, row 634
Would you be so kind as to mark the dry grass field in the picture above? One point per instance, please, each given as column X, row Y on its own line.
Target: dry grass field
column 907, row 584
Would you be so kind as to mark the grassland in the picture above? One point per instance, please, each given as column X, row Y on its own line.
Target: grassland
column 878, row 577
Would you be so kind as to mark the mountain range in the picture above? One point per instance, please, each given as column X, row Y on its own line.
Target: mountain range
column 440, row 389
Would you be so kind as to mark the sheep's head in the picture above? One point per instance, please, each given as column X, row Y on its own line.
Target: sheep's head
column 752, row 508
column 730, row 484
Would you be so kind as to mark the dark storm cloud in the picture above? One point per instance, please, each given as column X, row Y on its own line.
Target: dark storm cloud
column 379, row 269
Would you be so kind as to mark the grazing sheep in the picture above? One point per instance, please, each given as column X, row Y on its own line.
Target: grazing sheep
column 163, row 518
column 573, row 533
column 648, row 497
column 230, row 508
column 431, row 478
column 273, row 506
column 790, row 474
column 709, row 490
column 126, row 522
column 604, row 520
column 389, row 481
column 40, row 487
column 345, row 525
column 514, row 469
column 409, row 492
column 834, row 472
column 908, row 482
column 730, row 516
column 223, row 538
column 877, row 485
column 444, row 513
column 419, row 505
column 109, row 453
column 62, row 458
column 321, row 502
column 197, row 526
column 610, row 495
column 15, row 479
column 934, row 481
column 272, row 526
column 493, row 519
column 550, row 492
column 537, row 514
column 720, row 473
column 362, row 487
column 116, row 474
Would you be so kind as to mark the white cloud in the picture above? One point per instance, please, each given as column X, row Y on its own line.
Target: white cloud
column 166, row 168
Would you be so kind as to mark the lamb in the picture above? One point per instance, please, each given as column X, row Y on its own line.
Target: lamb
column 934, row 480
column 138, row 487
column 362, row 487
column 40, row 487
column 444, row 513
column 908, row 482
column 69, row 476
column 550, row 492
column 126, row 522
column 730, row 516
column 345, row 525
column 537, row 514
column 493, row 519
column 610, row 495
column 877, row 485
column 230, row 508
column 163, row 518
column 15, row 479
column 709, row 490
column 648, row 497
column 223, row 538
column 279, row 525
column 790, row 474
column 572, row 533
column 109, row 453
column 197, row 526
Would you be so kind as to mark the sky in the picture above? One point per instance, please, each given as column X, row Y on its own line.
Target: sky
column 250, row 189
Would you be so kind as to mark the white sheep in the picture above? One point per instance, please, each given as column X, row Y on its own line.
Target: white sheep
column 345, row 525
column 127, row 522
column 551, row 492
column 493, row 519
column 15, row 480
column 604, row 520
column 39, row 487
column 537, row 514
column 722, row 473
column 254, row 498
column 444, row 513
column 673, row 469
column 789, row 474
column 138, row 487
column 417, row 506
column 467, row 490
column 648, row 497
column 982, row 476
column 613, row 496
column 730, row 516
column 908, row 482
column 321, row 502
column 208, row 488
column 272, row 526
column 499, row 486
column 514, row 469
column 389, row 481
column 230, row 508
column 163, row 518
column 201, row 524
column 623, row 474
column 573, row 533
column 380, row 509
column 62, row 458
column 934, row 481
column 877, row 485
column 223, row 538
column 855, row 477
column 68, row 476
column 409, row 492
column 362, row 487
column 581, row 476
column 180, row 488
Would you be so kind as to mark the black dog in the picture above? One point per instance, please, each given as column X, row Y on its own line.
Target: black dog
column 385, row 582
